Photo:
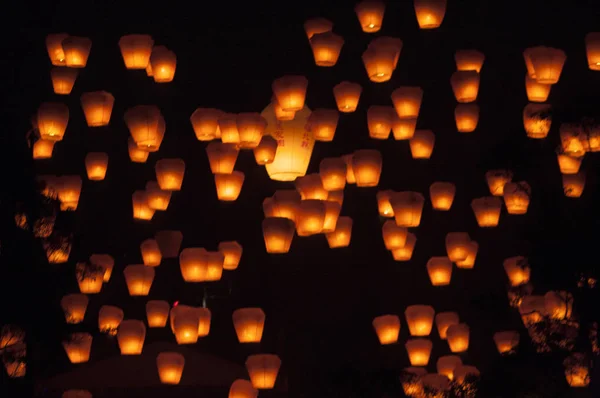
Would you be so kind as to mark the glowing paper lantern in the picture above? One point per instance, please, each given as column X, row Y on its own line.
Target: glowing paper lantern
column 131, row 336
column 228, row 128
column 97, row 107
column 52, row 120
column 170, row 367
column 74, row 307
column 106, row 261
column 141, row 209
column 419, row 351
column 280, row 114
column 430, row 13
column 370, row 15
column 139, row 279
column 342, row 234
column 68, row 189
column 146, row 126
column 497, row 179
column 185, row 325
column 205, row 122
column 96, row 164
column 326, row 48
column 290, row 92
column 63, row 79
column 394, row 237
column 383, row 203
column 200, row 265
column 444, row 320
column 392, row 43
column 403, row 129
column 150, row 253
column 467, row 117
column 286, row 203
column 350, row 177
column 333, row 173
column 242, row 389
column 136, row 154
column 469, row 60
column 465, row 84
column 221, row 157
column 229, row 186
column 379, row 120
column 457, row 244
column 419, row 319
column 109, row 319
column 506, row 341
column 558, row 304
column 592, row 46
column 232, row 251
column 249, row 324
column 516, row 197
column 42, row 149
column 536, row 92
column 169, row 243
column 336, row 196
column 458, row 337
column 77, row 50
column 537, row 120
column 332, row 213
column 366, row 166
column 517, row 270
column 310, row 217
column 169, row 174
column 569, row 164
column 547, row 63
column 469, row 261
column 89, row 278
column 446, row 364
column 278, row 233
column 164, row 63
column 263, row 370
column 347, row 95
column 323, row 123
column 573, row 184
column 379, row 63
column 387, row 328
column 422, row 144
column 158, row 199
column 78, row 347
column 250, row 127
column 157, row 313
column 314, row 26
column 408, row 207
column 440, row 271
column 264, row 152
column 442, row 195
column 136, row 50
column 407, row 101
column 311, row 187
column 487, row 211
column 55, row 48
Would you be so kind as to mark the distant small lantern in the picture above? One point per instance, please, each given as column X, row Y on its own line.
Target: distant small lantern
column 264, row 152
column 169, row 242
column 457, row 245
column 221, row 157
column 106, row 262
column 408, row 207
column 170, row 367
column 592, row 46
column 311, row 187
column 536, row 92
column 443, row 320
column 52, row 120
column 42, row 149
column 573, row 184
column 89, row 278
column 366, row 166
column 185, row 326
column 205, row 122
column 487, row 211
column 407, row 101
column 442, row 195
column 419, row 351
column 310, row 217
column 422, row 144
column 405, row 253
column 326, row 48
column 394, row 237
column 379, row 120
column 69, row 190
column 78, row 347
column 446, row 364
column 63, row 79
column 517, row 196
column 323, row 124
column 242, row 389
column 537, row 120
column 569, row 164
column 96, row 164
column 350, row 177
column 286, row 203
column 497, row 179
column 229, row 129
column 250, row 127
column 290, row 92
column 158, row 199
column 383, row 203
column 77, row 50
column 163, row 62
column 157, row 313
column 74, row 307
column 109, row 319
column 315, row 26
column 370, row 15
column 440, row 271
column 465, row 84
column 573, row 140
column 136, row 155
column 419, row 319
column 430, row 13
column 136, row 50
column 278, row 233
column 146, row 126
column 97, row 107
column 469, row 60
column 232, row 251
column 466, row 117
column 141, row 210
column 379, row 63
column 150, row 253
column 347, row 95
column 403, row 129
column 458, row 337
column 199, row 265
column 517, row 270
column 169, row 174
column 55, row 48
column 131, row 336
column 506, row 341
column 263, row 370
column 469, row 261
column 342, row 234
column 333, row 173
column 249, row 324
column 546, row 63
column 139, row 279
column 387, row 328
column 229, row 186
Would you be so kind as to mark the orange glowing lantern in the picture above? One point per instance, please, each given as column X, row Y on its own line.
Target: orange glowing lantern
column 532, row 309
column 264, row 152
column 506, row 341
column 163, row 62
column 419, row 351
column 379, row 63
column 442, row 195
column 285, row 203
column 394, row 44
column 573, row 184
column 469, row 60
column 516, row 197
column 68, row 189
column 97, row 107
column 74, row 307
column 497, row 179
column 333, row 173
column 263, row 370
column 347, row 95
column 109, row 319
column 332, row 213
column 290, row 92
column 250, row 127
column 42, row 149
column 577, row 370
column 200, row 265
column 242, row 389
column 383, row 203
column 465, row 84
column 55, row 48
column 458, row 337
column 232, row 251
column 311, row 187
column 536, row 92
column 444, row 320
column 342, row 234
column 136, row 154
column 326, row 48
column 157, row 313
column 205, row 122
column 52, row 120
column 89, row 278
column 439, row 270
column 537, row 120
column 336, row 196
column 387, row 328
column 96, row 164
column 249, row 324
column 323, row 123
column 158, row 199
column 517, row 270
column 170, row 367
column 229, row 186
column 139, row 279
column 408, row 207
column 457, row 245
column 569, row 164
column 370, row 15
column 77, row 50
column 63, row 79
column 222, row 157
column 430, row 13
column 546, row 63
column 446, row 364
column 467, row 117
column 278, row 233
column 280, row 114
column 366, row 166
column 422, row 144
column 141, row 209
column 78, row 347
column 146, row 126
column 394, row 237
column 403, row 129
column 131, row 336
column 469, row 262
column 573, row 141
column 310, row 217
column 592, row 46
column 412, row 382
column 136, row 50
column 350, row 177
column 104, row 261
column 228, row 128
column 558, row 305
column 407, row 101
column 487, row 211
column 419, row 319
column 185, row 325
column 461, row 373
column 315, row 26
column 150, row 253
column 379, row 120
column 169, row 174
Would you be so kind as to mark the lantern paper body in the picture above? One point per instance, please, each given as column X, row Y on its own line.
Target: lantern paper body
column 55, row 48
column 221, row 157
column 141, row 209
column 169, row 243
column 170, row 367
column 497, row 179
column 136, row 50
column 440, row 271
column 394, row 45
column 506, row 341
column 290, row 92
column 157, row 313
column 89, row 279
column 458, row 337
column 311, row 187
column 332, row 213
column 242, row 389
column 347, row 95
column 336, row 196
column 263, row 370
column 294, row 145
column 97, row 107
column 314, row 26
column 573, row 184
column 342, row 234
column 42, row 149
column 310, row 217
column 163, row 62
column 14, row 360
column 412, row 383
column 323, row 123
column 469, row 60
column 573, row 140
column 131, row 336
column 229, row 129
column 487, row 211
column 469, row 261
column 536, row 92
column 536, row 120
column 419, row 319
column 109, row 319
column 250, row 127
column 333, row 173
column 264, row 152
column 517, row 270
column 63, row 79
column 558, row 305
column 249, row 324
column 383, row 203
column 350, row 177
column 421, row 144
column 577, row 370
column 106, row 262
column 407, row 101
column 516, row 197
column 326, row 48
column 169, row 174
column 52, row 120
column 150, row 253
column 430, row 13
column 461, row 372
column 200, row 265
column 387, row 328
column 229, row 186
column 158, row 199
column 592, row 46
column 405, row 253
column 136, row 154
column 444, row 320
column 139, row 279
column 278, row 233
column 96, row 164
column 285, row 204
column 408, row 207
column 457, row 245
column 281, row 115
column 205, row 122
column 379, row 120
column 366, row 166
column 379, row 63
column 568, row 164
column 69, row 191
column 78, row 347
column 465, row 85
column 546, row 63
column 185, row 326
column 370, row 15
column 403, row 129
column 467, row 117
column 446, row 364
column 418, row 351
column 146, row 126
column 77, row 51
column 232, row 251
column 394, row 237
column 74, row 307
column 442, row 195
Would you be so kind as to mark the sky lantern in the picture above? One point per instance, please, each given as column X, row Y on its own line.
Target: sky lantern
column 558, row 304
column 383, row 203
column 163, row 62
column 517, row 270
column 42, row 149
column 63, row 79
column 466, row 117
column 546, row 63
column 109, row 319
column 232, row 251
column 205, row 122
column 536, row 92
column 146, row 126
column 310, row 217
column 58, row 255
column 280, row 114
column 370, row 15
column 290, row 92
column 387, row 328
column 469, row 261
column 169, row 242
column 422, row 144
column 573, row 184
column 497, row 179
column 528, row 64
column 89, row 279
column 249, row 324
column 286, row 203
column 52, row 120
column 506, row 341
column 136, row 50
column 347, row 95
column 350, row 177
column 465, row 84
column 263, row 370
column 77, row 394
column 229, row 128
column 366, row 166
column 412, row 381
column 55, row 48
column 242, row 389
column 457, row 244
column 326, row 48
column 419, row 319
column 157, row 313
column 294, row 144
column 407, row 101
column 229, row 186
column 419, row 351
column 446, row 364
column 169, row 173
column 193, row 264
column 592, row 46
column 264, row 152
column 150, row 253
column 77, row 50
column 333, row 173
column 379, row 63
column 403, row 129
column 532, row 309
column 278, row 233
column 516, row 197
column 221, row 157
column 439, row 270
column 204, row 317
column 573, row 140
column 139, row 279
column 379, row 120
column 408, row 207
column 250, row 127
column 537, row 120
column 170, row 367
column 141, row 210
column 430, row 13
column 74, row 307
column 317, row 25
column 569, row 164
column 69, row 190
column 332, row 213
column 487, row 211
column 78, row 347
column 323, row 123
column 311, row 187
column 342, row 234
column 136, row 155
column 577, row 370
column 336, row 196
column 158, row 199
column 458, row 337
column 131, row 336
column 441, row 195
column 106, row 261
column 394, row 237
column 97, row 107
column 461, row 373
column 469, row 60
column 96, row 164
column 443, row 320
column 185, row 326
column 393, row 43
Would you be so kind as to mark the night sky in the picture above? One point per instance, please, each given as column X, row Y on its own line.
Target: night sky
column 319, row 302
